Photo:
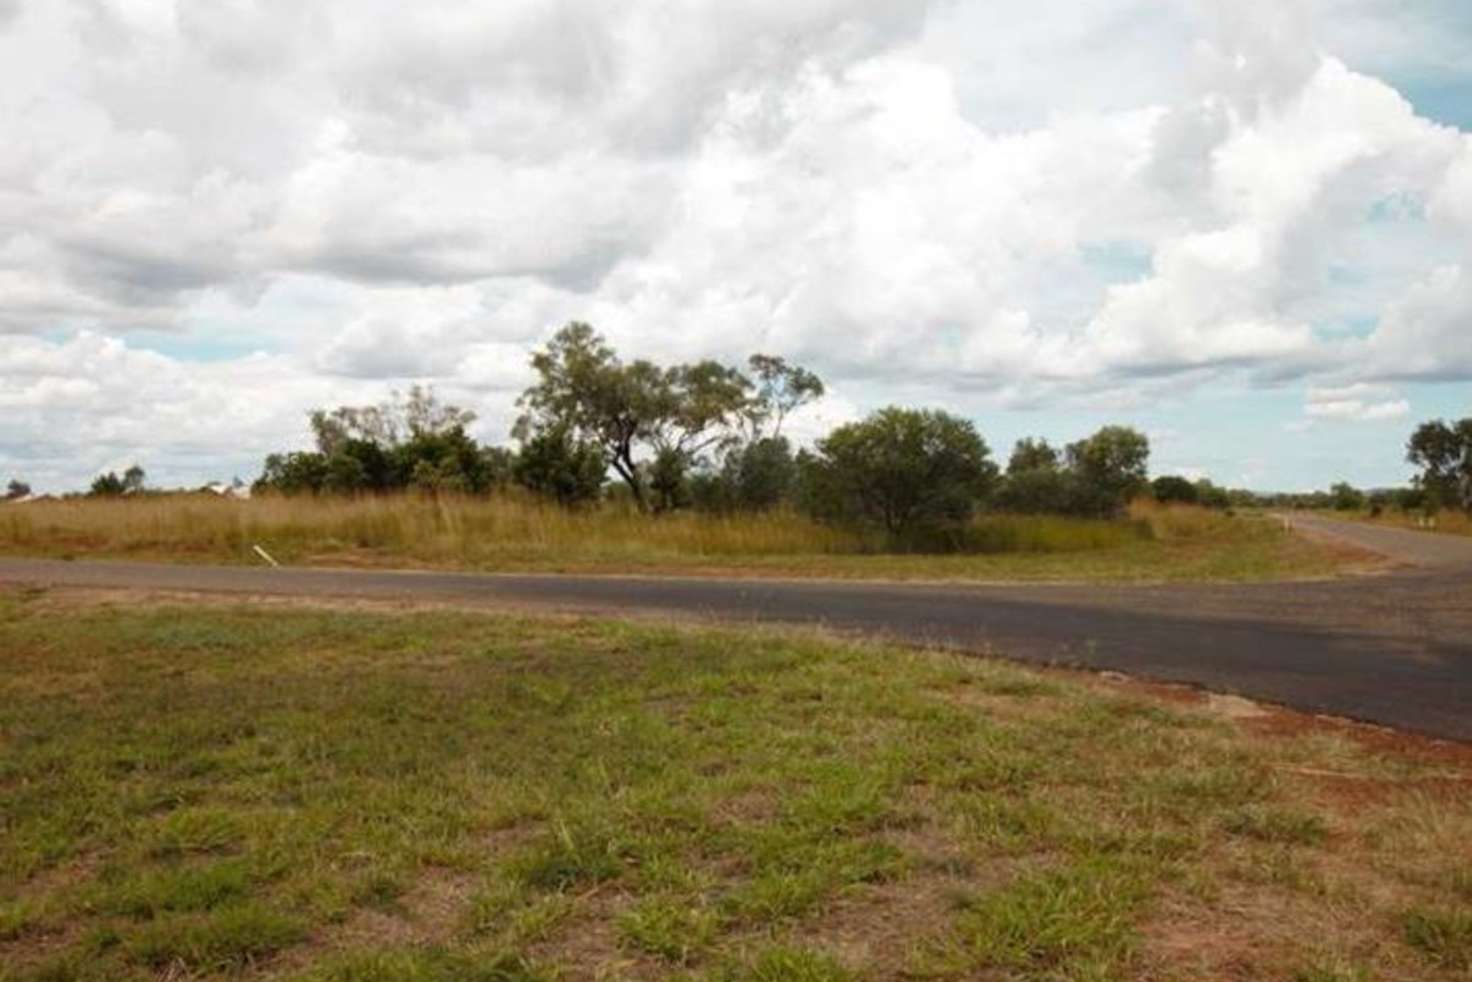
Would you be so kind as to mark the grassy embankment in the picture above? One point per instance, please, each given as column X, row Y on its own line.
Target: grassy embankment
column 510, row 534
column 326, row 795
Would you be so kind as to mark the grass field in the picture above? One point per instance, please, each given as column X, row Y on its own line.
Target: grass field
column 508, row 534
column 317, row 794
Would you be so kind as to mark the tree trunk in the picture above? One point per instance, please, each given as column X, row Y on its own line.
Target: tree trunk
column 628, row 470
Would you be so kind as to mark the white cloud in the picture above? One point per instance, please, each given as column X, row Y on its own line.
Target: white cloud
column 1426, row 332
column 1360, row 402
column 967, row 201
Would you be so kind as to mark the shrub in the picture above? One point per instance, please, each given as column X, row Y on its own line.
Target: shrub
column 1109, row 469
column 1035, row 492
column 1174, row 490
column 555, row 464
column 914, row 474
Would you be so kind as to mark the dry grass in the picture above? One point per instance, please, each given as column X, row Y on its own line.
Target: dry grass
column 1446, row 522
column 511, row 533
column 412, row 525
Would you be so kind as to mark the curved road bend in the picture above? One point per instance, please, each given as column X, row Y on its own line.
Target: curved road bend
column 1394, row 649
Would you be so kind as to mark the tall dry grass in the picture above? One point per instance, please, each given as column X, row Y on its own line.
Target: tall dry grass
column 1448, row 522
column 499, row 531
column 1178, row 522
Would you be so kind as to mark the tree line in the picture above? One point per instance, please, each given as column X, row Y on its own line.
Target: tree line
column 1442, row 453
column 708, row 437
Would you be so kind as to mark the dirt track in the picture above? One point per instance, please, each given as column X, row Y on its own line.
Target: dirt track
column 1394, row 649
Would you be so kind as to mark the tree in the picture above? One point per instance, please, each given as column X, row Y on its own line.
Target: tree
column 1171, row 489
column 344, row 474
column 110, row 485
column 441, row 460
column 1035, row 492
column 1108, row 469
column 1035, row 482
column 635, row 413
column 1409, row 499
column 753, row 477
column 361, row 465
column 16, row 490
column 1443, row 452
column 107, row 485
column 388, row 424
column 909, row 472
column 499, row 466
column 781, row 389
column 1346, row 497
column 1213, row 496
column 302, row 472
column 424, row 415
column 669, row 483
column 584, row 392
column 413, row 440
column 761, row 474
column 299, row 473
column 554, row 464
column 1030, row 454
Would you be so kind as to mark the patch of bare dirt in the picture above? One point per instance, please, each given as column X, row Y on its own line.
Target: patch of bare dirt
column 48, row 937
column 437, row 903
column 1268, row 719
column 430, row 912
column 586, row 945
column 372, row 929
column 1234, row 707
column 1250, row 932
column 756, row 805
column 873, row 930
column 1351, row 559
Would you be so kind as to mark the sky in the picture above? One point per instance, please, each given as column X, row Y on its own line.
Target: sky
column 1244, row 228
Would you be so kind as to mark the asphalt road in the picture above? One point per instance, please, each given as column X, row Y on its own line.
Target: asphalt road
column 1393, row 649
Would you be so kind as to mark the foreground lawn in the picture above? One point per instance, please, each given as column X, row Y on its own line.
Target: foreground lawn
column 509, row 534
column 255, row 792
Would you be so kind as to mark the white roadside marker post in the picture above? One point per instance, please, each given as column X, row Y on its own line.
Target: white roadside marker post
column 266, row 556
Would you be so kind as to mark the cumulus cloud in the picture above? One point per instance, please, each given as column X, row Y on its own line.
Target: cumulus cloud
column 973, row 201
column 1361, row 402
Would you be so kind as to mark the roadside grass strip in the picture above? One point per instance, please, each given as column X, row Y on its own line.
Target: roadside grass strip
column 508, row 533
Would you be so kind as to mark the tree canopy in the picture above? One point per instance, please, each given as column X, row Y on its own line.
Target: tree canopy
column 906, row 471
column 1443, row 452
column 1110, row 468
column 781, row 389
column 411, row 441
column 110, row 485
column 710, row 436
column 1174, row 489
column 655, row 423
column 389, row 424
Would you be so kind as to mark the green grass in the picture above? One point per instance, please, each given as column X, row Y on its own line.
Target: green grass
column 1444, row 936
column 1078, row 918
column 226, row 792
column 515, row 534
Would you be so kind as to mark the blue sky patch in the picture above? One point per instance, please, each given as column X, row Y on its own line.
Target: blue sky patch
column 1118, row 262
